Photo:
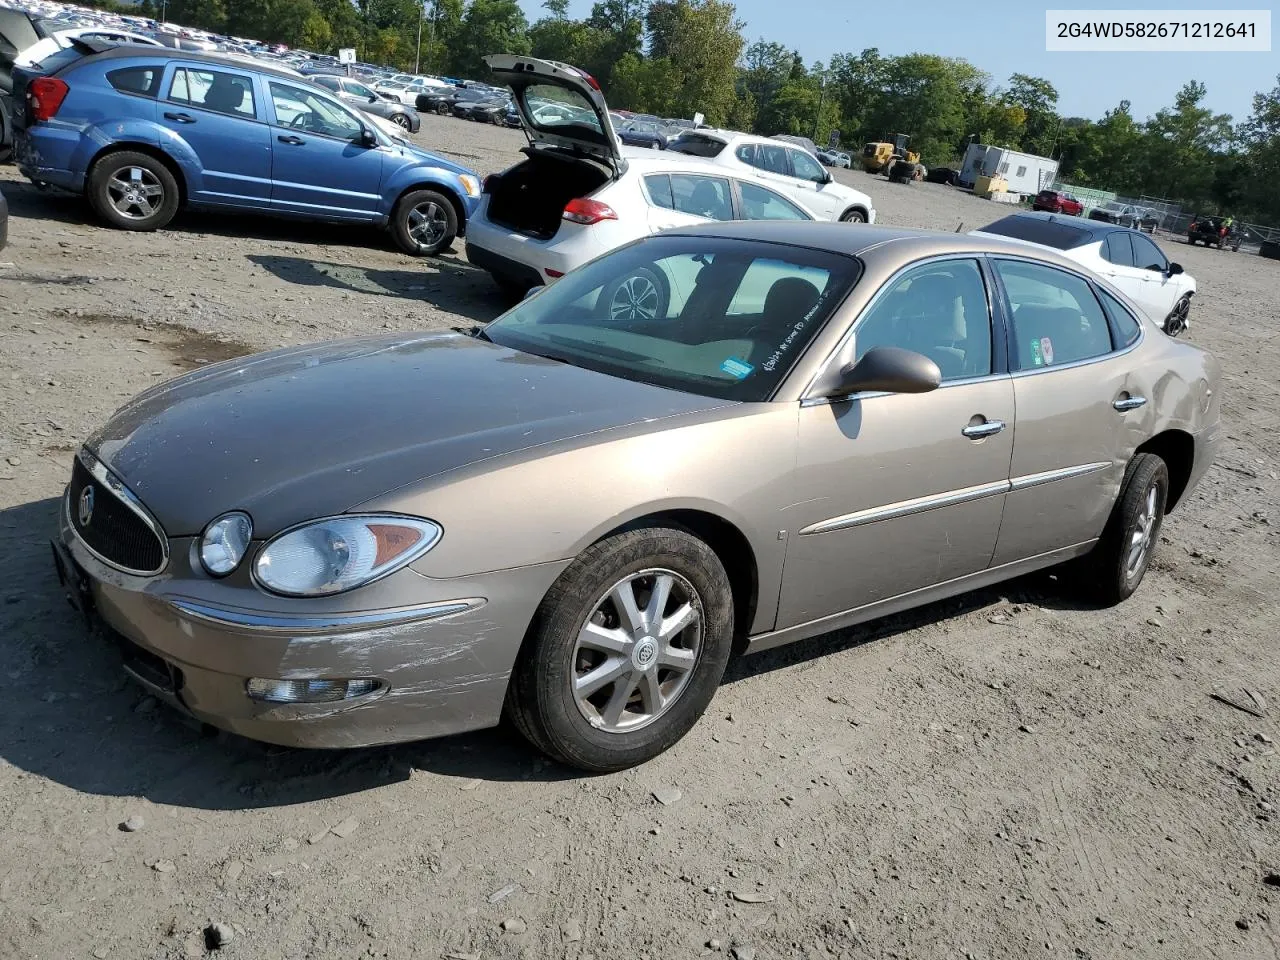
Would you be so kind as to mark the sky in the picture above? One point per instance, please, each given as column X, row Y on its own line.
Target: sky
column 1003, row 39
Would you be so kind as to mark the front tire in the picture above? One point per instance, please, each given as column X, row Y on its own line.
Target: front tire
column 402, row 121
column 626, row 650
column 1179, row 317
column 424, row 223
column 132, row 191
column 853, row 216
column 1122, row 555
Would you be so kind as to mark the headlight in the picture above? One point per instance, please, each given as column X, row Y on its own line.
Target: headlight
column 224, row 542
column 342, row 553
column 470, row 184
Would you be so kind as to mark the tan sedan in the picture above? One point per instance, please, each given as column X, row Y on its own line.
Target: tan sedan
column 572, row 517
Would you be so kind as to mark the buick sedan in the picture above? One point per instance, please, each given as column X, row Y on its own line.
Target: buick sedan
column 574, row 518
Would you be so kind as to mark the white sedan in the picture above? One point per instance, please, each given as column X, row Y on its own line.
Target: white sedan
column 1128, row 258
column 62, row 39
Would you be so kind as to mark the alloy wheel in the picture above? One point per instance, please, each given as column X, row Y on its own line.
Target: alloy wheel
column 428, row 224
column 401, row 121
column 636, row 652
column 1143, row 534
column 136, row 193
column 636, row 298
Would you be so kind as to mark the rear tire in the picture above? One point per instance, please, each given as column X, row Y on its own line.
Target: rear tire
column 664, row 682
column 132, row 191
column 640, row 295
column 1121, row 557
column 424, row 223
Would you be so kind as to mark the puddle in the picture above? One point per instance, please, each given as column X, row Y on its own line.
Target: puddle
column 188, row 348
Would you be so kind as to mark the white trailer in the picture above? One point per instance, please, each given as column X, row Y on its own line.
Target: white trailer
column 1024, row 172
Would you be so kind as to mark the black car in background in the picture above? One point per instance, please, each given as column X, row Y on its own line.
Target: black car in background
column 640, row 133
column 483, row 108
column 439, row 101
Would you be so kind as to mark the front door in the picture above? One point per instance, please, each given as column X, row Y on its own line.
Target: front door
column 1161, row 288
column 1080, row 411
column 896, row 492
column 217, row 114
column 319, row 164
column 810, row 185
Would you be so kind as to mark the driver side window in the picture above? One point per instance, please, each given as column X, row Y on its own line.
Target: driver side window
column 806, row 167
column 305, row 110
column 938, row 309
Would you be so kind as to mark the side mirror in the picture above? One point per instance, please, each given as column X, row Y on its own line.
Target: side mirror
column 887, row 370
column 373, row 99
column 368, row 138
column 533, row 291
column 826, row 176
column 1175, row 269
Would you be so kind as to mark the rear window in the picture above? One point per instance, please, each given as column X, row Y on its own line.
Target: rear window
column 554, row 108
column 696, row 145
column 143, row 81
column 63, row 58
column 1048, row 233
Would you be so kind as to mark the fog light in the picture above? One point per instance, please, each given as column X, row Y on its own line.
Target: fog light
column 308, row 691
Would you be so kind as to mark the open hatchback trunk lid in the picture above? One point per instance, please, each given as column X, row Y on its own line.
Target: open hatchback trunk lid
column 560, row 106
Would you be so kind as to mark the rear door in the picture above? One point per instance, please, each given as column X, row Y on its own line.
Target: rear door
column 217, row 112
column 1081, row 408
column 320, row 165
column 1117, row 251
column 683, row 199
column 580, row 120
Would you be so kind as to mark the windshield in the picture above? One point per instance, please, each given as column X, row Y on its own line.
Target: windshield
column 707, row 315
column 1047, row 233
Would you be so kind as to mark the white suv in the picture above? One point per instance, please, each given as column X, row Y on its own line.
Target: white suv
column 580, row 193
column 784, row 167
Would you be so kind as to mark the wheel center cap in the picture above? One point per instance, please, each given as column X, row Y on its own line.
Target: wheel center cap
column 645, row 653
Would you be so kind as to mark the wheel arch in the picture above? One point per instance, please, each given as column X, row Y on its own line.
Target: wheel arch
column 728, row 543
column 150, row 150
column 857, row 208
column 1177, row 449
column 448, row 192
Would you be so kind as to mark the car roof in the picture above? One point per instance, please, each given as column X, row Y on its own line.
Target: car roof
column 131, row 51
column 1093, row 231
column 858, row 240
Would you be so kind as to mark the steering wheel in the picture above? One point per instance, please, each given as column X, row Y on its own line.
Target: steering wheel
column 301, row 121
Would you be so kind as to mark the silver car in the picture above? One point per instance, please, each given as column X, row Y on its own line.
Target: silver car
column 574, row 520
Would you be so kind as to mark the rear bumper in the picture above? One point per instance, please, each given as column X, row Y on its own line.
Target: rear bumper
column 512, row 255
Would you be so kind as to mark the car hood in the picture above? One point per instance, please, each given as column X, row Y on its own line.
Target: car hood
column 312, row 431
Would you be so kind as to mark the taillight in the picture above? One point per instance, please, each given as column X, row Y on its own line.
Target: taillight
column 586, row 212
column 490, row 183
column 45, row 96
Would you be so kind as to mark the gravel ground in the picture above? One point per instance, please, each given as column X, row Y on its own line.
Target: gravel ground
column 1000, row 776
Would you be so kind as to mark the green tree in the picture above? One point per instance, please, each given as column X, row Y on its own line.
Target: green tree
column 489, row 26
column 559, row 9
column 620, row 28
column 644, row 84
column 702, row 40
column 1261, row 135
column 857, row 85
column 205, row 14
column 1038, row 100
column 1181, row 146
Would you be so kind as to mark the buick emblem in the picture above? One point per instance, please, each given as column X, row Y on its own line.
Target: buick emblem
column 86, row 506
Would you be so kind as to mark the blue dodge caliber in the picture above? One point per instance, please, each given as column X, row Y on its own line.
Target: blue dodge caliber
column 143, row 131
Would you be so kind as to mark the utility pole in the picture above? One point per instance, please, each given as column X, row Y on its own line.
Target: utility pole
column 822, row 90
column 417, row 57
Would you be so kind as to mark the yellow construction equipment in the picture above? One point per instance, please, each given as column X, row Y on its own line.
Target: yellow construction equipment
column 880, row 156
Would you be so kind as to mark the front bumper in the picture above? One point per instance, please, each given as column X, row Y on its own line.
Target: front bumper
column 441, row 650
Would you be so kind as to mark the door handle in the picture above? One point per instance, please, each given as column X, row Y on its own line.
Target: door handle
column 292, row 140
column 1125, row 404
column 979, row 431
column 180, row 117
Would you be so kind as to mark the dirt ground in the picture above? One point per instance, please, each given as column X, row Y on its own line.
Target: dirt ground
column 1005, row 775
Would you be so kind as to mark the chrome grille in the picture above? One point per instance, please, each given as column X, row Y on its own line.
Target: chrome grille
column 110, row 522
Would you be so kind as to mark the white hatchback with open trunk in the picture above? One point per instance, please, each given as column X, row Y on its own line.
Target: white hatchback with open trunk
column 579, row 193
